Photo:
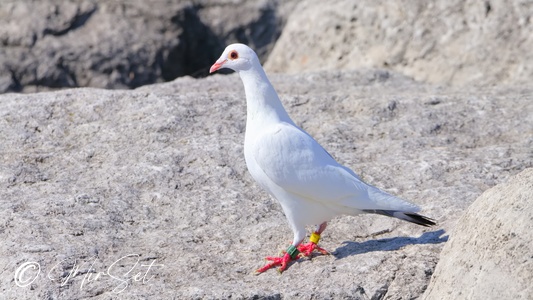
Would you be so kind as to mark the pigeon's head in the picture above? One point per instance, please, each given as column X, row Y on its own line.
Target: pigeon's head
column 237, row 57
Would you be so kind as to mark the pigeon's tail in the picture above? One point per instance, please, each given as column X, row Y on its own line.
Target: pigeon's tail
column 406, row 216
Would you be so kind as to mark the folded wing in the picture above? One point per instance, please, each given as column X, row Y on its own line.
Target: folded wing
column 293, row 160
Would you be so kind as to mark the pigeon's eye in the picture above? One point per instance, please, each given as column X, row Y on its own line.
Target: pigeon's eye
column 233, row 55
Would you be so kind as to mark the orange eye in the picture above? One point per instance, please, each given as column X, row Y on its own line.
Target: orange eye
column 233, row 55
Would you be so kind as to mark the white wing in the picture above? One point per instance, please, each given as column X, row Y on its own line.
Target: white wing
column 296, row 162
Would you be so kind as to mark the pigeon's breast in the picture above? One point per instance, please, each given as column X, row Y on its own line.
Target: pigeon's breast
column 255, row 170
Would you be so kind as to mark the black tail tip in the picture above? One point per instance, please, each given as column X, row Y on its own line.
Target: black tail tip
column 419, row 219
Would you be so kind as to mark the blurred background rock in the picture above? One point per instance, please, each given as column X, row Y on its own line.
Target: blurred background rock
column 128, row 43
column 125, row 43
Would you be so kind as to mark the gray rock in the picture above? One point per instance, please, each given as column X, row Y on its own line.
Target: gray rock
column 489, row 255
column 124, row 44
column 128, row 43
column 145, row 193
column 452, row 42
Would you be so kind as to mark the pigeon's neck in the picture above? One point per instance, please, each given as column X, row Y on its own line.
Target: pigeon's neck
column 262, row 101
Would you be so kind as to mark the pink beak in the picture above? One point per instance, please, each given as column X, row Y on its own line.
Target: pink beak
column 217, row 65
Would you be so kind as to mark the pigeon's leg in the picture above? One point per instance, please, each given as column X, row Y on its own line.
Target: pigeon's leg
column 307, row 249
column 292, row 253
column 283, row 261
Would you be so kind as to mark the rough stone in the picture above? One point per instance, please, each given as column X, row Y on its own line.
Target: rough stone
column 91, row 178
column 125, row 44
column 128, row 43
column 448, row 42
column 490, row 254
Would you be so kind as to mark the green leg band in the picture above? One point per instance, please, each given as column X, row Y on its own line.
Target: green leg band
column 293, row 251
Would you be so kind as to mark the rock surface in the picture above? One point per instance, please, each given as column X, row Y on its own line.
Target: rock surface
column 490, row 254
column 125, row 43
column 89, row 178
column 453, row 42
column 128, row 43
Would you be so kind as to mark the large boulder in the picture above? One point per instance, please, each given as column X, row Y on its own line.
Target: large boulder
column 145, row 193
column 125, row 43
column 128, row 43
column 490, row 252
column 453, row 42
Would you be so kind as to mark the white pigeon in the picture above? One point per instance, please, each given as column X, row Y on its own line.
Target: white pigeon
column 292, row 167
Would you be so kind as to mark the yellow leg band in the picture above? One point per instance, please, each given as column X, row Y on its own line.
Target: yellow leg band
column 314, row 238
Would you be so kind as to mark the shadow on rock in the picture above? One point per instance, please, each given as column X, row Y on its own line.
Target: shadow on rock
column 389, row 244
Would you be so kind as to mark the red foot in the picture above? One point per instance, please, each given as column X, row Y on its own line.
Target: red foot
column 307, row 249
column 276, row 261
